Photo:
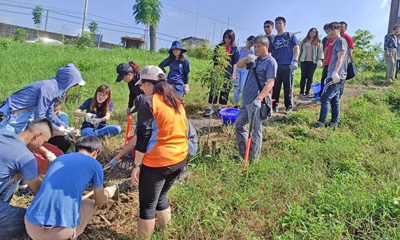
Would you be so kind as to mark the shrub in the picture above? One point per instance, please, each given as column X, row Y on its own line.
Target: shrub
column 20, row 34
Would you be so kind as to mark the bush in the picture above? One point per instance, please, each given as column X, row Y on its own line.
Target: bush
column 5, row 43
column 163, row 51
column 86, row 40
column 201, row 52
column 20, row 34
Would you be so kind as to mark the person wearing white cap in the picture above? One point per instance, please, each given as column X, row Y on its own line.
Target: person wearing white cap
column 37, row 101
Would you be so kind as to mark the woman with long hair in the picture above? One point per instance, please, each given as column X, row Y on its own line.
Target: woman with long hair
column 98, row 111
column 228, row 43
column 311, row 55
column 161, row 148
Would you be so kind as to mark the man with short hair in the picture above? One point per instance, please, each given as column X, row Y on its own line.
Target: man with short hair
column 268, row 27
column 17, row 161
column 390, row 47
column 337, row 72
column 282, row 50
column 349, row 39
column 58, row 211
column 265, row 67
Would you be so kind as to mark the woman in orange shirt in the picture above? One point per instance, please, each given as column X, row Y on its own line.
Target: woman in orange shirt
column 161, row 149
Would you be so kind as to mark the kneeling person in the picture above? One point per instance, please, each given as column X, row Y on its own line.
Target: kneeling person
column 58, row 211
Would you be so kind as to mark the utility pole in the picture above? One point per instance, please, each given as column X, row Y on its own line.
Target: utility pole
column 84, row 17
column 394, row 15
column 213, row 34
column 47, row 20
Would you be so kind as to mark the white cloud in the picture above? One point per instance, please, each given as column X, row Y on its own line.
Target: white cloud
column 384, row 2
column 174, row 14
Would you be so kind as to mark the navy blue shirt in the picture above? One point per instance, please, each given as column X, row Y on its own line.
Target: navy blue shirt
column 177, row 71
column 86, row 106
column 282, row 48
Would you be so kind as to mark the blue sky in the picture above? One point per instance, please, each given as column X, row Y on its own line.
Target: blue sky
column 178, row 18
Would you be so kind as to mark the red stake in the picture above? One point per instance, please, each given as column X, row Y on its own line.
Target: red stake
column 246, row 155
column 128, row 128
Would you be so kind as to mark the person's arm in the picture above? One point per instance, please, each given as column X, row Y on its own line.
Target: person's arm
column 136, row 170
column 163, row 64
column 325, row 53
column 341, row 54
column 234, row 77
column 385, row 45
column 321, row 52
column 100, row 196
column 78, row 113
column 296, row 52
column 45, row 109
column 34, row 184
column 242, row 62
column 186, row 70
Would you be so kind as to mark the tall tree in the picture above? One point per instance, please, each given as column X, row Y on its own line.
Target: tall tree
column 93, row 27
column 37, row 17
column 148, row 12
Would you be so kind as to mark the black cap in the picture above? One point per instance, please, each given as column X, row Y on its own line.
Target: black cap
column 122, row 70
column 138, row 101
column 251, row 38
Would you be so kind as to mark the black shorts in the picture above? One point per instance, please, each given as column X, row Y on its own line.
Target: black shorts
column 154, row 184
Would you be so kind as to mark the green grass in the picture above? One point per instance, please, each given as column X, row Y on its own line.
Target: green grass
column 310, row 183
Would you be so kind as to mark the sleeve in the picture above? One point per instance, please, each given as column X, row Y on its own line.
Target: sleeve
column 320, row 54
column 131, row 94
column 111, row 106
column 295, row 41
column 164, row 64
column 186, row 70
column 63, row 117
column 144, row 124
column 271, row 70
column 235, row 57
column 45, row 109
column 29, row 167
column 98, row 175
column 86, row 104
column 342, row 46
column 54, row 118
column 386, row 43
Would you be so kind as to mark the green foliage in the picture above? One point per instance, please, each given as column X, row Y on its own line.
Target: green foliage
column 93, row 27
column 367, row 57
column 163, row 50
column 37, row 15
column 147, row 12
column 86, row 40
column 200, row 52
column 5, row 43
column 20, row 34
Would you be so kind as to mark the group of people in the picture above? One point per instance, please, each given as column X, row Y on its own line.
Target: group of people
column 32, row 116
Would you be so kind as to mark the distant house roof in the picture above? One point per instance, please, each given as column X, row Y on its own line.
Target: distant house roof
column 193, row 38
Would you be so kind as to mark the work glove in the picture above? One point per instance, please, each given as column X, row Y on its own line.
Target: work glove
column 50, row 156
column 335, row 77
column 112, row 163
column 185, row 88
column 74, row 132
column 96, row 122
column 128, row 111
column 62, row 130
column 256, row 105
column 111, row 190
column 251, row 61
column 320, row 64
column 294, row 65
column 89, row 117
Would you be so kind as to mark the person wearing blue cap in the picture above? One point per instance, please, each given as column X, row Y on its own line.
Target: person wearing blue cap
column 179, row 68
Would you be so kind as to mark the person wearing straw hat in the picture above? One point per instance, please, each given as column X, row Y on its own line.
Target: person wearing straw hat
column 179, row 68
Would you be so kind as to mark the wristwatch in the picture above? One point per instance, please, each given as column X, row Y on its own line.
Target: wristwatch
column 136, row 166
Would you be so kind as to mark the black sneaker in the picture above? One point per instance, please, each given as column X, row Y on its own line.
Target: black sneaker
column 333, row 125
column 208, row 112
column 288, row 110
column 319, row 124
column 236, row 106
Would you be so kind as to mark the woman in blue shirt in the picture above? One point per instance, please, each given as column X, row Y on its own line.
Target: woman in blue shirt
column 98, row 111
column 179, row 68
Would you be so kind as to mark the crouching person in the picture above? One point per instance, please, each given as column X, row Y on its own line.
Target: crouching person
column 17, row 161
column 262, row 73
column 58, row 211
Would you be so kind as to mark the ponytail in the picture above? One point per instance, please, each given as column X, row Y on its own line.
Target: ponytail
column 135, row 67
column 171, row 98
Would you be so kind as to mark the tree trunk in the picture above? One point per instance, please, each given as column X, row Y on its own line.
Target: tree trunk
column 153, row 45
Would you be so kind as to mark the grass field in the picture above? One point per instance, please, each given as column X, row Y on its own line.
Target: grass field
column 310, row 183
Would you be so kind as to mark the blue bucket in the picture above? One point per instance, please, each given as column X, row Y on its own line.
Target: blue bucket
column 229, row 115
column 316, row 88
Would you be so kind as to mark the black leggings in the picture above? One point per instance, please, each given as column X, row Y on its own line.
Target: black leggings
column 307, row 73
column 154, row 184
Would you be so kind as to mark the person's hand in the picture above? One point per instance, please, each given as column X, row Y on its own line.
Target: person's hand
column 96, row 122
column 294, row 65
column 50, row 156
column 251, row 60
column 320, row 64
column 16, row 177
column 335, row 77
column 236, row 84
column 234, row 77
column 387, row 54
column 135, row 176
column 185, row 88
column 128, row 111
column 89, row 117
column 62, row 130
column 74, row 132
column 112, row 163
column 256, row 104
column 111, row 190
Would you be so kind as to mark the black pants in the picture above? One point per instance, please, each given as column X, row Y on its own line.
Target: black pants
column 284, row 76
column 397, row 67
column 323, row 78
column 154, row 184
column 224, row 94
column 62, row 142
column 307, row 73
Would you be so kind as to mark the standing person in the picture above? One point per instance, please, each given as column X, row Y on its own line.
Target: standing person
column 311, row 55
column 337, row 72
column 229, row 44
column 16, row 161
column 58, row 211
column 161, row 148
column 62, row 141
column 325, row 39
column 265, row 69
column 282, row 50
column 98, row 112
column 268, row 27
column 350, row 44
column 242, row 72
column 398, row 54
column 179, row 68
column 390, row 47
column 37, row 100
column 130, row 73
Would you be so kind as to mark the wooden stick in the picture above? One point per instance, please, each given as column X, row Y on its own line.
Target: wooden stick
column 75, row 127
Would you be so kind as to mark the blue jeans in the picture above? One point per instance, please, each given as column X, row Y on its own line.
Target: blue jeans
column 16, row 122
column 11, row 218
column 239, row 84
column 179, row 89
column 109, row 130
column 328, row 99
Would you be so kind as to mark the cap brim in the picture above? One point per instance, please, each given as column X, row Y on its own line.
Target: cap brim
column 81, row 83
column 119, row 78
column 138, row 82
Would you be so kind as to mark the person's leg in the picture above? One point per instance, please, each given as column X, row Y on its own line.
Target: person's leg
column 85, row 215
column 276, row 90
column 11, row 221
column 323, row 78
column 256, row 137
column 394, row 61
column 89, row 132
column 164, row 217
column 303, row 67
column 310, row 74
column 8, row 189
column 326, row 98
column 224, row 95
column 109, row 130
column 49, row 233
column 236, row 87
column 241, row 131
column 287, row 78
column 335, row 104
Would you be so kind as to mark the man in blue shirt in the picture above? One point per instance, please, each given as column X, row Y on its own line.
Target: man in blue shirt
column 282, row 50
column 58, row 211
column 17, row 161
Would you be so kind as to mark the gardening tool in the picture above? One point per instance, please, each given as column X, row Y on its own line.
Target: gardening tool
column 246, row 155
column 115, row 197
column 75, row 127
column 128, row 128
